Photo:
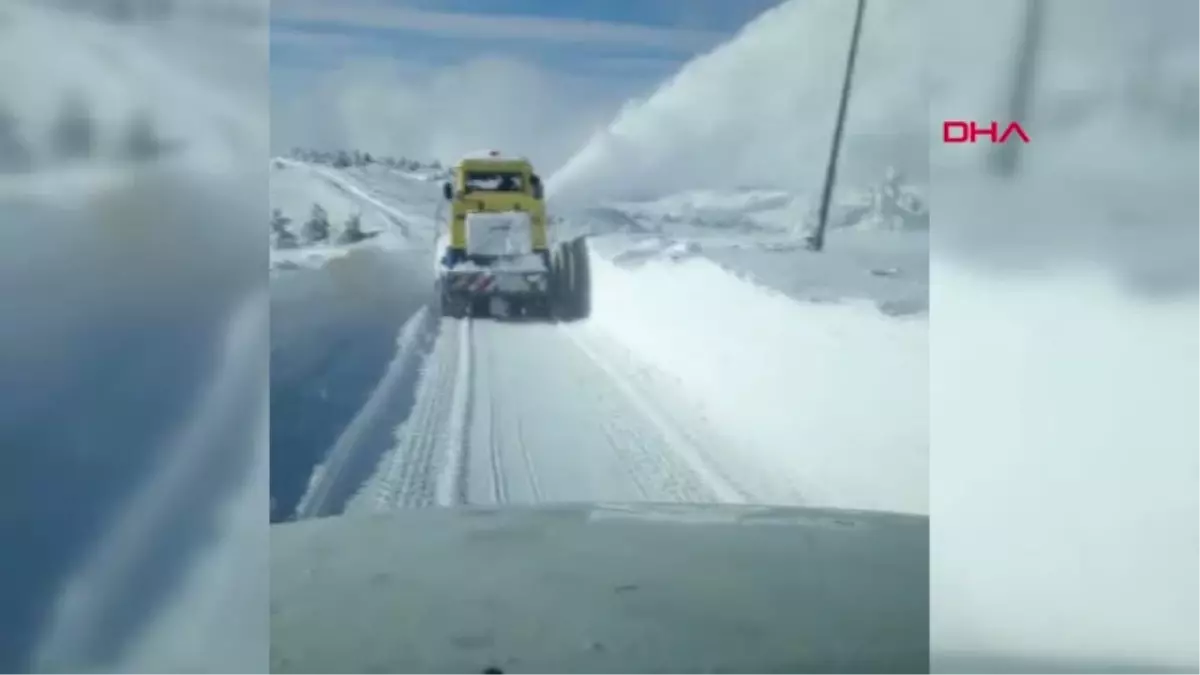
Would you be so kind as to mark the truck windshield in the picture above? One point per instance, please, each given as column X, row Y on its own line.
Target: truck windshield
column 493, row 181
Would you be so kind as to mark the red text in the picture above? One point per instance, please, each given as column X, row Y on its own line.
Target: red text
column 962, row 131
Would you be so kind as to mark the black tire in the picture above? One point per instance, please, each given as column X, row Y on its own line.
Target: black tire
column 568, row 283
column 582, row 281
column 481, row 307
column 574, row 282
column 554, row 282
column 559, row 284
column 571, row 281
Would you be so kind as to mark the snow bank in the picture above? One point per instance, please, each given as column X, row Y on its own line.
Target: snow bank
column 1064, row 474
column 759, row 110
column 888, row 267
column 1064, row 493
column 131, row 536
column 226, row 586
column 832, row 400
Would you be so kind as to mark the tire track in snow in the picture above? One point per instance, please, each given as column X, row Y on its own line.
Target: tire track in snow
column 408, row 480
column 499, row 485
column 591, row 440
column 534, row 483
column 452, row 480
column 630, row 466
column 682, row 445
column 481, row 477
column 467, row 440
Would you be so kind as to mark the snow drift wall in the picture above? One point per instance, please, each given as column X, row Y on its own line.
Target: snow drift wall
column 760, row 109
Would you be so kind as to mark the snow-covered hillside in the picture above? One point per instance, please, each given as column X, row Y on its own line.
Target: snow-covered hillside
column 319, row 213
column 888, row 203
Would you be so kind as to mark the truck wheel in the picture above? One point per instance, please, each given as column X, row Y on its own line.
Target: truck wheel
column 555, row 293
column 582, row 285
column 574, row 282
column 481, row 307
column 568, row 305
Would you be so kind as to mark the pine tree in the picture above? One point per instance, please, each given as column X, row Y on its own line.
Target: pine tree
column 15, row 155
column 316, row 230
column 283, row 238
column 74, row 133
column 352, row 230
column 142, row 141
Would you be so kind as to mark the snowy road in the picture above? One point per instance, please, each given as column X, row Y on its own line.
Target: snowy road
column 526, row 413
column 433, row 411
column 765, row 397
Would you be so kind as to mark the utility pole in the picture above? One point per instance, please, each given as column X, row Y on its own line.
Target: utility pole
column 1004, row 158
column 816, row 240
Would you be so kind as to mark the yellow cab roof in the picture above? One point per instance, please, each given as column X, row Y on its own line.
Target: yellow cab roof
column 495, row 163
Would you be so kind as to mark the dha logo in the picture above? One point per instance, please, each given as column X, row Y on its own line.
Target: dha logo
column 963, row 131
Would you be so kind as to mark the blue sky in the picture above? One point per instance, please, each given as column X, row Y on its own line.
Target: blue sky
column 592, row 54
column 568, row 33
column 719, row 15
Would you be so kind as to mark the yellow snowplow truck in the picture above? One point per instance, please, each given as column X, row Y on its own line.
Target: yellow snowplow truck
column 498, row 258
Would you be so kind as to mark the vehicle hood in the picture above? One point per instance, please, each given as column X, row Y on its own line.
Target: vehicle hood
column 602, row 588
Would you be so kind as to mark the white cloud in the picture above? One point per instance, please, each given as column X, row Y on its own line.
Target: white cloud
column 343, row 91
column 355, row 13
column 385, row 106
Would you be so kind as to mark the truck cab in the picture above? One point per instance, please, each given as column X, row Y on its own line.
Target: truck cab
column 494, row 184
